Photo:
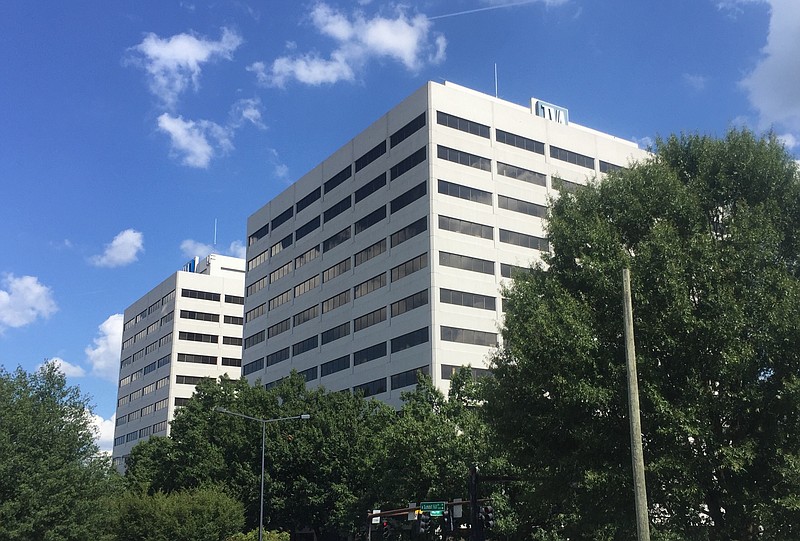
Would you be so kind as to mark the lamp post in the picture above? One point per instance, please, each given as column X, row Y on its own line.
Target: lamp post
column 304, row 416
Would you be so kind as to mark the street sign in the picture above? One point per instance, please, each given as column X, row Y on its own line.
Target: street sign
column 436, row 509
column 376, row 520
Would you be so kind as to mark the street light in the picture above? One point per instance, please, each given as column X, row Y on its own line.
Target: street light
column 304, row 416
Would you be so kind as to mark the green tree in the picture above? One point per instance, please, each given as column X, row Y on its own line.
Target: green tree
column 54, row 484
column 709, row 228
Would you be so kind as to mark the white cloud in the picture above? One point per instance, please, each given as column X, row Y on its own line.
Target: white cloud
column 280, row 169
column 247, row 110
column 644, row 142
column 402, row 38
column 695, row 82
column 789, row 140
column 193, row 248
column 193, row 139
column 104, row 432
column 69, row 369
column 123, row 250
column 772, row 87
column 103, row 356
column 24, row 299
column 174, row 64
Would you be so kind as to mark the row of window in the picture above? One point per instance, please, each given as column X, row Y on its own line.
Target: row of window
column 147, row 410
column 163, row 301
column 138, row 434
column 163, row 341
column 150, row 329
column 147, row 389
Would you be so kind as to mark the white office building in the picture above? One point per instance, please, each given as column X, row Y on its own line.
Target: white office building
column 388, row 257
column 187, row 328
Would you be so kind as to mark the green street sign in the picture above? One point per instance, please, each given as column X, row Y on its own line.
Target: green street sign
column 436, row 509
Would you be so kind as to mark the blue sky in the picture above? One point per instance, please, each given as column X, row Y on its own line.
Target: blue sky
column 128, row 128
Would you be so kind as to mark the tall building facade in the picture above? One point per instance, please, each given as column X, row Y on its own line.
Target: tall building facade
column 388, row 257
column 187, row 328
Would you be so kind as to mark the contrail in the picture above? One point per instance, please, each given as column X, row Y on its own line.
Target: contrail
column 483, row 9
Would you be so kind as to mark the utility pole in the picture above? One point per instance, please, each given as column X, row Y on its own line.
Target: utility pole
column 475, row 525
column 637, row 454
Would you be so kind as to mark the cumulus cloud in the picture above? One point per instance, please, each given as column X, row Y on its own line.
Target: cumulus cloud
column 23, row 300
column 789, row 141
column 68, row 369
column 104, row 432
column 174, row 64
column 645, row 143
column 772, row 85
column 196, row 142
column 406, row 39
column 123, row 250
column 247, row 110
column 192, row 248
column 103, row 355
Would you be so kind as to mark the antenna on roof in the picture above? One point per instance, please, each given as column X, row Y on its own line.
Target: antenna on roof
column 495, row 79
column 215, row 232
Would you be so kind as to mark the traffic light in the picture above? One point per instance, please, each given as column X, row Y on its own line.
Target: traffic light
column 424, row 522
column 487, row 515
column 387, row 529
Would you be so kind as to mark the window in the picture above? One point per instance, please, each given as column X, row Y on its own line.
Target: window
column 305, row 257
column 200, row 316
column 257, row 260
column 233, row 320
column 402, row 201
column 411, row 266
column 282, row 218
column 159, row 427
column 232, row 340
column 277, row 357
column 468, row 336
column 337, row 209
column 181, row 402
column 526, row 241
column 409, row 303
column 278, row 300
column 204, row 295
column 169, row 297
column 338, row 178
column 336, row 301
column 370, row 219
column 188, row 380
column 371, row 155
column 164, row 361
column 464, row 262
column 368, row 320
column 234, row 299
column 404, row 132
column 126, row 362
column 565, row 185
column 369, row 252
column 167, row 318
column 197, row 359
column 306, row 228
column 408, row 163
column 465, row 192
column 279, row 246
column 138, row 355
column 280, row 272
column 309, row 374
column 409, row 231
column 371, row 187
column 369, row 354
column 150, row 368
column 336, row 365
column 466, row 228
column 571, row 157
column 463, row 158
column 525, row 175
column 278, row 328
column 409, row 340
column 369, row 286
column 258, row 311
column 305, row 287
column 449, row 370
column 254, row 339
column 198, row 337
column 463, row 298
column 606, row 167
column 161, row 404
column 128, row 324
column 151, row 348
column 307, row 200
column 305, row 345
column 518, row 141
column 258, row 235
column 231, row 361
column 372, row 388
column 256, row 286
column 306, row 315
column 407, row 378
column 335, row 240
column 254, row 366
column 462, row 124
column 524, row 207
column 133, row 436
column 156, row 305
column 127, row 343
column 335, row 333
column 332, row 272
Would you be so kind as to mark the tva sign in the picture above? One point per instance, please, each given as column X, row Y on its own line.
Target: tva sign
column 551, row 112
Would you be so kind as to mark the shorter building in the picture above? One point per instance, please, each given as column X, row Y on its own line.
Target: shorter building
column 187, row 328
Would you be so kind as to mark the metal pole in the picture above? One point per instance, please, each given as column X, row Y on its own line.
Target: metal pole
column 637, row 454
column 261, row 507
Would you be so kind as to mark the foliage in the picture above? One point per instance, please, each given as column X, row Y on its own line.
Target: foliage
column 203, row 514
column 252, row 535
column 54, row 484
column 709, row 230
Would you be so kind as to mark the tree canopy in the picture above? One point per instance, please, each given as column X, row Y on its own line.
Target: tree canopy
column 709, row 228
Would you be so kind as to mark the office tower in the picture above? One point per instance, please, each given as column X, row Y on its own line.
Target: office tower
column 187, row 328
column 388, row 257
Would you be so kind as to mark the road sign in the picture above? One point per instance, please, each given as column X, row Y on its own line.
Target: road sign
column 436, row 509
column 376, row 520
